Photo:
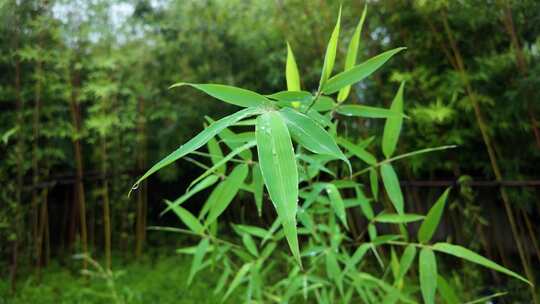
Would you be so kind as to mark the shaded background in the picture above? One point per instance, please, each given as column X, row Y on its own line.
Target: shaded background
column 85, row 109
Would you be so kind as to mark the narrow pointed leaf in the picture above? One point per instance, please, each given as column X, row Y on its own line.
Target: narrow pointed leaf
column 310, row 135
column 291, row 71
column 358, row 72
column 216, row 155
column 474, row 257
column 406, row 260
column 331, row 50
column 391, row 185
column 427, row 266
column 357, row 151
column 398, row 218
column 233, row 95
column 237, row 279
column 430, row 224
column 200, row 251
column 447, row 292
column 187, row 218
column 337, row 203
column 279, row 171
column 258, row 187
column 231, row 186
column 205, row 183
column 367, row 111
column 199, row 140
column 250, row 244
column 352, row 53
column 392, row 127
column 374, row 183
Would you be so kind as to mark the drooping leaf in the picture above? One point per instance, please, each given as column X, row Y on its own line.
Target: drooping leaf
column 392, row 127
column 398, row 218
column 429, row 226
column 310, row 135
column 205, row 183
column 199, row 140
column 258, row 187
column 474, row 257
column 374, row 183
column 367, row 111
column 231, row 140
column 186, row 217
column 357, row 151
column 230, row 188
column 279, row 171
column 447, row 292
column 233, row 95
column 291, row 71
column 427, row 266
column 253, row 230
column 358, row 72
column 249, row 244
column 331, row 50
column 337, row 203
column 391, row 185
column 406, row 260
column 352, row 53
column 200, row 251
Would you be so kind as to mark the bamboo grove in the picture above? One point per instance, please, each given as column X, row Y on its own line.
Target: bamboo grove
column 86, row 110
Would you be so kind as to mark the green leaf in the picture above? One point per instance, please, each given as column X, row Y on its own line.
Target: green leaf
column 253, row 230
column 358, row 72
column 398, row 218
column 367, row 111
column 427, row 266
column 352, row 53
column 222, row 279
column 279, row 171
column 337, row 203
column 310, row 135
column 374, row 183
column 205, row 183
column 474, row 257
column 186, row 217
column 429, row 226
column 392, row 127
column 357, row 151
column 233, row 95
column 216, row 155
column 258, row 187
column 250, row 244
column 200, row 251
column 391, row 185
column 291, row 71
column 332, row 267
column 331, row 50
column 446, row 291
column 230, row 188
column 237, row 279
column 406, row 261
column 198, row 141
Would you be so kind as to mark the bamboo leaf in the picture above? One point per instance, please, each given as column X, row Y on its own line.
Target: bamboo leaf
column 279, row 171
column 427, row 266
column 337, row 203
column 398, row 218
column 331, row 50
column 233, row 95
column 447, row 292
column 429, row 226
column 391, row 185
column 205, row 183
column 392, row 127
column 198, row 141
column 367, row 111
column 291, row 71
column 358, row 72
column 357, row 151
column 237, row 279
column 474, row 257
column 310, row 135
column 258, row 187
column 374, row 183
column 200, row 251
column 406, row 261
column 250, row 244
column 230, row 188
column 352, row 53
column 216, row 155
column 186, row 217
